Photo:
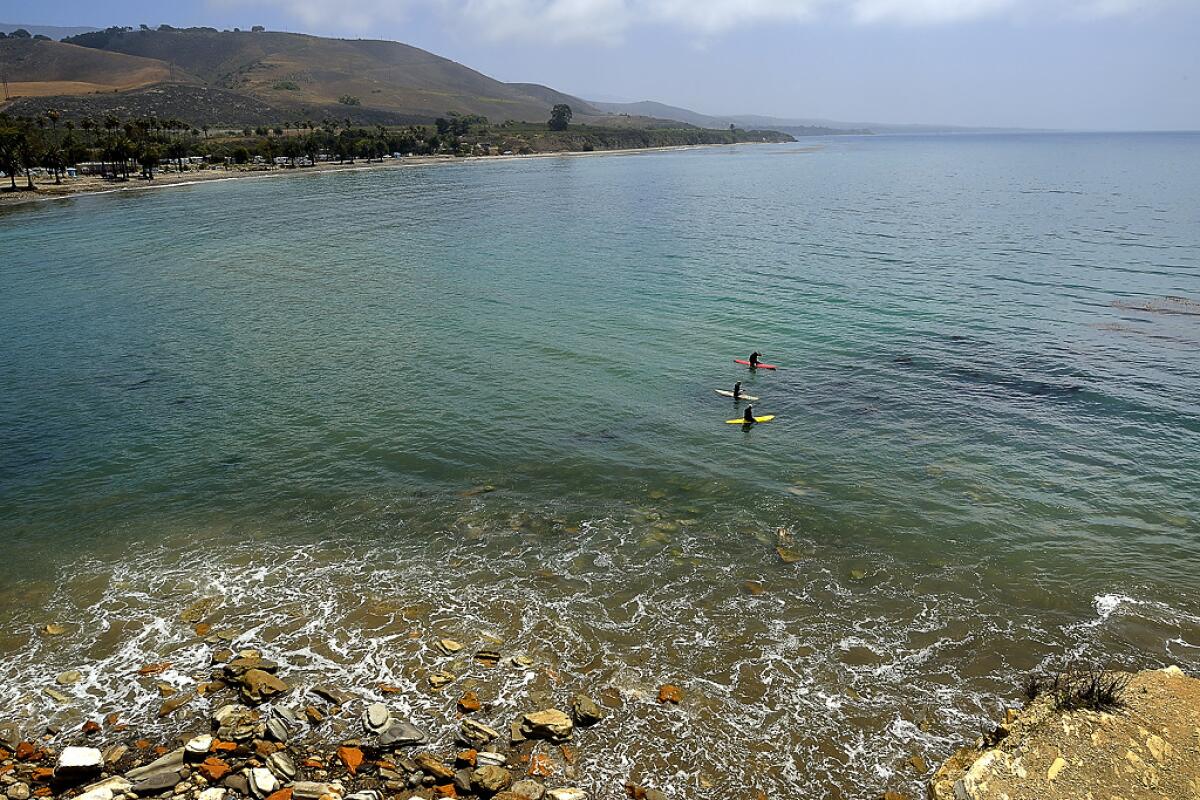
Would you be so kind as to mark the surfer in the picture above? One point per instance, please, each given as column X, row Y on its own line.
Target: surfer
column 737, row 391
column 754, row 359
column 748, row 417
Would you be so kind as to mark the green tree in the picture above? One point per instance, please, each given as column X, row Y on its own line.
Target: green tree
column 148, row 157
column 560, row 116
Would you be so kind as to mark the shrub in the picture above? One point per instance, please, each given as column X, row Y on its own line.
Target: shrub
column 1077, row 688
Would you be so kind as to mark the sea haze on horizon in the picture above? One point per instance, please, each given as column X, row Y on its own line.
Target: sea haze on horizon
column 363, row 410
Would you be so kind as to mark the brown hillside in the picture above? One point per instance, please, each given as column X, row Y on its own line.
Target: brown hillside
column 307, row 73
column 40, row 68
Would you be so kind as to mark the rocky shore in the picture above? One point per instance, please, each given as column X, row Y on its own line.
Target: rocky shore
column 1146, row 746
column 268, row 740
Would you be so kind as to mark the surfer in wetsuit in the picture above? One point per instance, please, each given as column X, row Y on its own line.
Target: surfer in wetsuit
column 737, row 391
column 754, row 359
column 748, row 417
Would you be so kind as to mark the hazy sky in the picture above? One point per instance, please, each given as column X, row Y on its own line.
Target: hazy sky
column 1095, row 64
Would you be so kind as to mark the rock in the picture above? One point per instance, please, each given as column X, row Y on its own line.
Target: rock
column 528, row 790
column 567, row 794
column 490, row 759
column 439, row 680
column 893, row 796
column 469, row 703
column 246, row 661
column 213, row 769
column 488, row 657
column 172, row 762
column 56, row 695
column 585, row 711
column 312, row 790
column 259, row 686
column 156, row 782
column 549, row 724
column 335, row 696
column 198, row 746
column 402, row 734
column 213, row 793
column 476, row 733
column 114, row 753
column 238, row 784
column 365, row 794
column 448, row 646
column 429, row 764
column 489, row 780
column 116, row 784
column 262, row 782
column 10, row 737
column 78, row 763
column 103, row 793
column 670, row 693
column 21, row 791
column 174, row 703
column 68, row 678
column 278, row 730
column 1058, row 766
column 54, row 629
column 280, row 764
column 351, row 758
column 377, row 718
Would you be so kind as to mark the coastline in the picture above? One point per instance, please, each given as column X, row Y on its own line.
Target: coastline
column 216, row 175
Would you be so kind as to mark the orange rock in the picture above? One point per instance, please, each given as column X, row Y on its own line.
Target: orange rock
column 388, row 688
column 222, row 747
column 445, row 790
column 540, row 766
column 352, row 757
column 43, row 791
column 26, row 751
column 4, row 754
column 469, row 703
column 91, row 727
column 265, row 749
column 112, row 719
column 467, row 757
column 568, row 753
column 282, row 794
column 213, row 769
column 314, row 714
column 161, row 750
column 314, row 763
column 142, row 744
column 7, row 768
column 754, row 587
column 154, row 669
column 670, row 693
column 203, row 628
column 42, row 774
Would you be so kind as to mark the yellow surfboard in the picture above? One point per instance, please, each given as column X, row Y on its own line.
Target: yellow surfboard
column 741, row 421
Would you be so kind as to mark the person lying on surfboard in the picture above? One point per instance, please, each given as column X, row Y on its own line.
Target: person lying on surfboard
column 749, row 415
column 754, row 359
column 737, row 391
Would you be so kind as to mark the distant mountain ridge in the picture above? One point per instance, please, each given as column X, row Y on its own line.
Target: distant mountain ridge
column 53, row 31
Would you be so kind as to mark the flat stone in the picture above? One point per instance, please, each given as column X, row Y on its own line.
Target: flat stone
column 156, row 782
column 172, row 761
column 259, row 686
column 198, row 745
column 175, row 702
column 21, row 791
column 489, row 780
column 549, row 724
column 585, row 711
column 238, row 667
column 313, row 790
column 79, row 763
column 485, row 759
column 429, row 764
column 331, row 695
column 279, row 763
column 439, row 680
column 9, row 735
column 238, row 783
column 68, row 678
column 402, row 734
column 569, row 793
column 116, row 784
column 477, row 733
column 263, row 782
column 377, row 718
column 212, row 793
column 103, row 793
column 528, row 790
column 448, row 646
column 365, row 794
column 278, row 730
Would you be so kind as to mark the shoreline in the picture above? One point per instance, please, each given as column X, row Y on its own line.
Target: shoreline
column 9, row 199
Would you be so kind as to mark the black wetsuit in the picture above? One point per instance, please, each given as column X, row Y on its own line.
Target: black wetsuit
column 754, row 359
column 749, row 415
column 737, row 391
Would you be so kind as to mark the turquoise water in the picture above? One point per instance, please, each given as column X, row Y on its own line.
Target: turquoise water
column 288, row 393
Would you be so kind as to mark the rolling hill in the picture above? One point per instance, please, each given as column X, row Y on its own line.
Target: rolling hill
column 244, row 77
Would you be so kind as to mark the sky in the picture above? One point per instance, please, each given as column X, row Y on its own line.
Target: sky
column 1062, row 64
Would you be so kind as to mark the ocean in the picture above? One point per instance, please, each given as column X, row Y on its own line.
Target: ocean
column 339, row 416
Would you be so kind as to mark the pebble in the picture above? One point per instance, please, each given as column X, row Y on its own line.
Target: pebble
column 490, row 759
column 278, row 730
column 214, row 793
column 569, row 793
column 549, row 724
column 313, row 790
column 279, row 763
column 448, row 646
column 199, row 745
column 262, row 782
column 528, row 790
column 402, row 734
column 473, row 732
column 102, row 793
column 68, row 678
column 490, row 780
column 585, row 711
column 18, row 791
column 79, row 763
column 377, row 718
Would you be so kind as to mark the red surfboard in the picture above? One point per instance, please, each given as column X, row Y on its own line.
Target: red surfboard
column 760, row 364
